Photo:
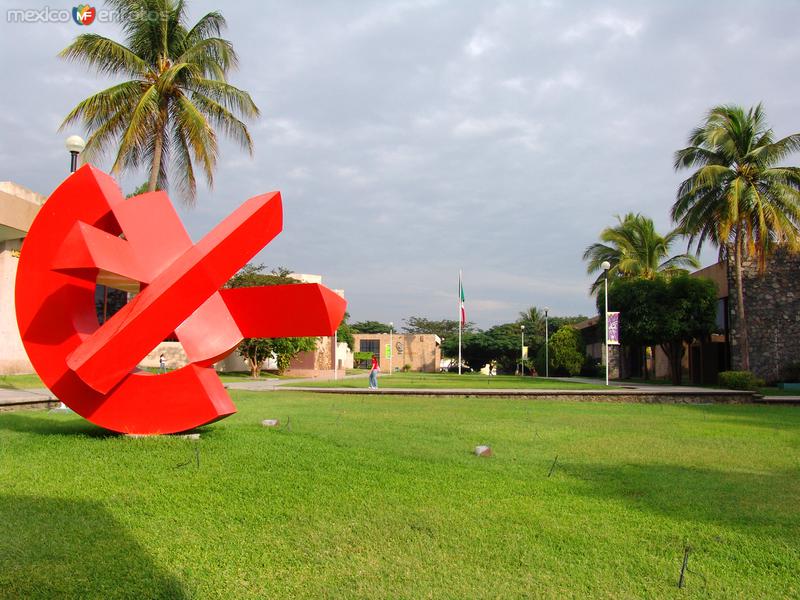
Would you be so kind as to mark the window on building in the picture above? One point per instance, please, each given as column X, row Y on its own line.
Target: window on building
column 107, row 301
column 722, row 316
column 371, row 346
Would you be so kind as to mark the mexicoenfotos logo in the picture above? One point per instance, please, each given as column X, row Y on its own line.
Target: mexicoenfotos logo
column 84, row 14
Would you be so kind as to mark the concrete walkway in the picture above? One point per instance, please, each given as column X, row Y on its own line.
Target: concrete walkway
column 273, row 383
column 30, row 398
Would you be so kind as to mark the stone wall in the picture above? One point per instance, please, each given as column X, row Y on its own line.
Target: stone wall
column 772, row 311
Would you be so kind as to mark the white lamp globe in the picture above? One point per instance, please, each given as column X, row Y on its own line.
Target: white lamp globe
column 75, row 143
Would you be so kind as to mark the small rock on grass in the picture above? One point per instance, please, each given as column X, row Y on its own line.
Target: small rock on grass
column 270, row 422
column 484, row 451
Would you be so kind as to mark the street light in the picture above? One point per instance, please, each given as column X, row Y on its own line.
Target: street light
column 522, row 353
column 391, row 347
column 606, row 266
column 546, row 349
column 75, row 145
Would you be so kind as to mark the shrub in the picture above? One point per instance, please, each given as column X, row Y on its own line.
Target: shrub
column 591, row 367
column 406, row 368
column 565, row 353
column 740, row 380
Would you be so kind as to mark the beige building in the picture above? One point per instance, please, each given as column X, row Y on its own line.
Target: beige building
column 18, row 207
column 421, row 352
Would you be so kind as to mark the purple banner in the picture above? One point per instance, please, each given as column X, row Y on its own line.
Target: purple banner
column 613, row 328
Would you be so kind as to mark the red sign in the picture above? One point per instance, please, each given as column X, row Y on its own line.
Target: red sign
column 87, row 228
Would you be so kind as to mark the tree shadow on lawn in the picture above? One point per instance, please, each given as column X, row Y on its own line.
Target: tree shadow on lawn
column 747, row 502
column 61, row 547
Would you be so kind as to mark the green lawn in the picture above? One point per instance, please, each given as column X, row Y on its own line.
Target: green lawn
column 454, row 380
column 776, row 391
column 379, row 497
column 20, row 382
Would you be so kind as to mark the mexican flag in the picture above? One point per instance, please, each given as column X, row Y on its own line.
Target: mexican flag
column 461, row 300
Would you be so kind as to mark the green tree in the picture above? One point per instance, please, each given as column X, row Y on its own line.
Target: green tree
column 666, row 312
column 175, row 96
column 501, row 344
column 737, row 198
column 533, row 320
column 556, row 323
column 633, row 248
column 506, row 343
column 566, row 353
column 370, row 327
column 444, row 328
column 344, row 333
column 477, row 349
column 142, row 189
column 256, row 350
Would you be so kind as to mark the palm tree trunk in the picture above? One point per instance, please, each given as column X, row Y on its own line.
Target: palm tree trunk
column 744, row 344
column 158, row 149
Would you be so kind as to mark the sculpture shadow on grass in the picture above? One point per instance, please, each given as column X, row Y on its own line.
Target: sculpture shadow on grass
column 752, row 503
column 67, row 548
column 41, row 423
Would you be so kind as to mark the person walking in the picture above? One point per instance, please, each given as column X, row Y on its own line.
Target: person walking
column 373, row 373
column 162, row 364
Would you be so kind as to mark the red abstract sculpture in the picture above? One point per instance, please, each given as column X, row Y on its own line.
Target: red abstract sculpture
column 87, row 230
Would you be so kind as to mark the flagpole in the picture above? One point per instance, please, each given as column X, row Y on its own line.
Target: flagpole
column 460, row 291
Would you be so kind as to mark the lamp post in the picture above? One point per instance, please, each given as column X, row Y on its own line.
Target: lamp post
column 391, row 347
column 522, row 352
column 606, row 266
column 546, row 349
column 75, row 145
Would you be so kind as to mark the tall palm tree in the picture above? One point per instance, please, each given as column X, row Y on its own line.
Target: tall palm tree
column 635, row 249
column 533, row 319
column 176, row 93
column 737, row 198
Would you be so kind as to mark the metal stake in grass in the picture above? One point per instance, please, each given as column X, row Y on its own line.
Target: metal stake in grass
column 681, row 579
column 553, row 466
column 188, row 462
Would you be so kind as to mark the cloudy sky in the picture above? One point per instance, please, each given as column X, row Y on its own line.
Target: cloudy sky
column 410, row 139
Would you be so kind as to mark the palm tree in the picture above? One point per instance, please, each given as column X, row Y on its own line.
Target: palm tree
column 175, row 95
column 737, row 199
column 635, row 249
column 533, row 320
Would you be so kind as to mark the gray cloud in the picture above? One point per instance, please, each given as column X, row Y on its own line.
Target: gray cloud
column 411, row 139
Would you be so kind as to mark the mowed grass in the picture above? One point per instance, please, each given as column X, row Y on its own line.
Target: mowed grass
column 367, row 497
column 20, row 382
column 415, row 380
